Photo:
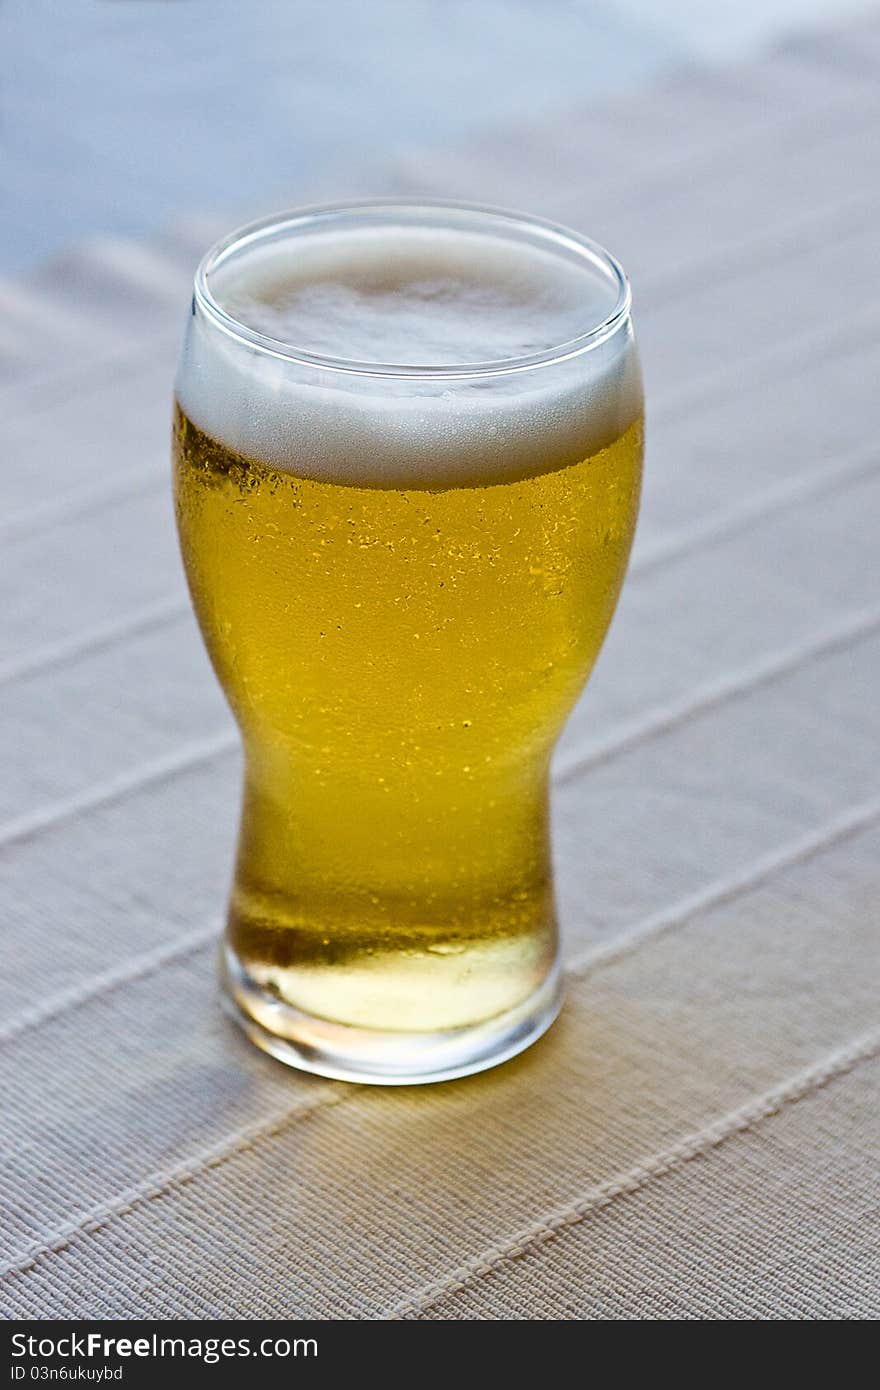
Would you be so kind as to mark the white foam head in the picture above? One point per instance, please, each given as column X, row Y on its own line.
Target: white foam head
column 410, row 347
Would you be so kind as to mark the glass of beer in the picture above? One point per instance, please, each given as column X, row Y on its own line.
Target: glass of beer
column 407, row 458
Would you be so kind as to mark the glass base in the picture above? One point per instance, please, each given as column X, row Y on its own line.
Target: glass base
column 381, row 1058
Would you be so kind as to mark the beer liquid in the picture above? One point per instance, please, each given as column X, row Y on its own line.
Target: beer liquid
column 400, row 663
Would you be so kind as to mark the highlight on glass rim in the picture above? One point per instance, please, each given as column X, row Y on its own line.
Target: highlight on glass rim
column 407, row 460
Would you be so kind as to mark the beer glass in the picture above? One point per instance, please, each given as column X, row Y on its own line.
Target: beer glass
column 407, row 457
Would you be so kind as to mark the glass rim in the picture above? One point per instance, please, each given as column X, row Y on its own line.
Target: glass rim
column 552, row 234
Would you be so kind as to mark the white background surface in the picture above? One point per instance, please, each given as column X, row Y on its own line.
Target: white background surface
column 121, row 115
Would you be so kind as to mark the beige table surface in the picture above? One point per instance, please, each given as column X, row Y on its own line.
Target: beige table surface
column 698, row 1136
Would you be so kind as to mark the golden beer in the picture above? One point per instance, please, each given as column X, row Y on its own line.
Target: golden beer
column 401, row 637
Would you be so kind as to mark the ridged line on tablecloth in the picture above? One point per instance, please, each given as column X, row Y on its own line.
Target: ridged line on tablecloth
column 45, row 317
column 189, row 755
column 703, row 388
column 678, row 543
column 708, row 696
column 140, row 620
column 182, row 1174
column 694, row 1145
column 723, row 891
column 137, row 967
column 731, row 263
column 88, row 500
column 712, row 694
column 839, row 331
column 53, row 388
